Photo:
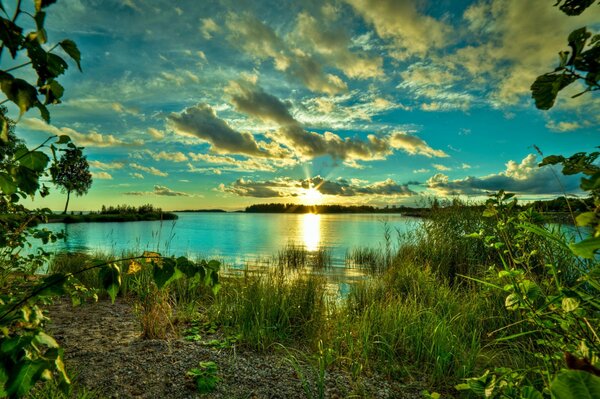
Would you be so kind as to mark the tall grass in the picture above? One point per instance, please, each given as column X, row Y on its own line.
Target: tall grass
column 272, row 306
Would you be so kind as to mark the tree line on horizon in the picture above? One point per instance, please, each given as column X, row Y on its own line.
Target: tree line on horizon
column 559, row 204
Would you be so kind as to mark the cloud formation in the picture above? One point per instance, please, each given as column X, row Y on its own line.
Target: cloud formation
column 160, row 191
column 412, row 32
column 149, row 169
column 254, row 101
column 524, row 177
column 201, row 121
column 91, row 139
column 286, row 187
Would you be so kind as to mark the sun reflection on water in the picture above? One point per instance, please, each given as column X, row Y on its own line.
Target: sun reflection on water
column 311, row 231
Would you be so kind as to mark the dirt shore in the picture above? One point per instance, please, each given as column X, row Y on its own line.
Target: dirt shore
column 103, row 349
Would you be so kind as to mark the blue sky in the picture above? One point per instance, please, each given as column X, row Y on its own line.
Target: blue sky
column 226, row 103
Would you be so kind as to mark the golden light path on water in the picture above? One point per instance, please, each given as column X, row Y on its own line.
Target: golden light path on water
column 311, row 231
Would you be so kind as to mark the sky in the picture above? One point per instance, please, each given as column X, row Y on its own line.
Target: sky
column 222, row 104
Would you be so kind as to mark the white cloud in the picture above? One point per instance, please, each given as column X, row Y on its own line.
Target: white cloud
column 91, row 139
column 523, row 177
column 102, row 175
column 152, row 170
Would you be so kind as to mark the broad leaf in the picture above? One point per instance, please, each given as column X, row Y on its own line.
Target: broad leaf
column 165, row 274
column 71, row 49
column 586, row 248
column 110, row 275
column 25, row 376
column 63, row 139
column 53, row 285
column 546, row 87
column 575, row 384
column 35, row 160
column 574, row 7
column 19, row 92
column 7, row 185
column 188, row 267
column 10, row 35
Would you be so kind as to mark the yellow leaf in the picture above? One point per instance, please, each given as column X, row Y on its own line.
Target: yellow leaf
column 152, row 256
column 134, row 267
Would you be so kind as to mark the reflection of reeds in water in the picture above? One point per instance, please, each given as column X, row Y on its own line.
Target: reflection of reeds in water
column 373, row 260
column 294, row 256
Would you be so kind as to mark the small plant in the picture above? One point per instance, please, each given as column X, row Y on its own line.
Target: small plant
column 205, row 376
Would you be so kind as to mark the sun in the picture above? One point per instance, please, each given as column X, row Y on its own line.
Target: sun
column 311, row 196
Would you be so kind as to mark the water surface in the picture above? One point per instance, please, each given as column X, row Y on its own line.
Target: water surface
column 235, row 238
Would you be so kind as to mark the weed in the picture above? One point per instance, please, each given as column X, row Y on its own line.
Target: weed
column 205, row 376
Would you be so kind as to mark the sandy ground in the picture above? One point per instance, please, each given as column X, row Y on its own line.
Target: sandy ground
column 104, row 350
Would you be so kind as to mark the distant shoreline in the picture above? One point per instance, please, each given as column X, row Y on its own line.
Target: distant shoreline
column 107, row 218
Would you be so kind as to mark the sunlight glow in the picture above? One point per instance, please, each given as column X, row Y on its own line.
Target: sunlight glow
column 311, row 196
column 311, row 231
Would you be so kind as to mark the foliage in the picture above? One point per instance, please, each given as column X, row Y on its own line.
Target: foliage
column 129, row 209
column 582, row 63
column 47, row 65
column 205, row 376
column 72, row 172
column 557, row 302
column 27, row 353
column 584, row 163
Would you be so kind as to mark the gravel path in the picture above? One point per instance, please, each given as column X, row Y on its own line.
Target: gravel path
column 104, row 350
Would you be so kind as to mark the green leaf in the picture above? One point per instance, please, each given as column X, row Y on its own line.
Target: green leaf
column 24, row 377
column 63, row 139
column 53, row 285
column 34, row 160
column 586, row 248
column 529, row 392
column 585, row 218
column 55, row 64
column 577, row 40
column 110, row 275
column 10, row 35
column 71, row 49
column 43, row 112
column 7, row 185
column 593, row 183
column 546, row 87
column 188, row 267
column 574, row 7
column 575, row 384
column 19, row 92
column 14, row 345
column 42, row 338
column 552, row 160
column 165, row 274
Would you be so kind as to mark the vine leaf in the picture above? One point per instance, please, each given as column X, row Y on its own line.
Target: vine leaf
column 575, row 384
column 546, row 87
column 71, row 49
column 110, row 275
column 165, row 274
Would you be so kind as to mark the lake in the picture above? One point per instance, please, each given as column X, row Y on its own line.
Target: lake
column 235, row 238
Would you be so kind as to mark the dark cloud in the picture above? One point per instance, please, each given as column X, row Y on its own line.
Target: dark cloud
column 258, row 189
column 346, row 188
column 293, row 188
column 254, row 101
column 201, row 121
